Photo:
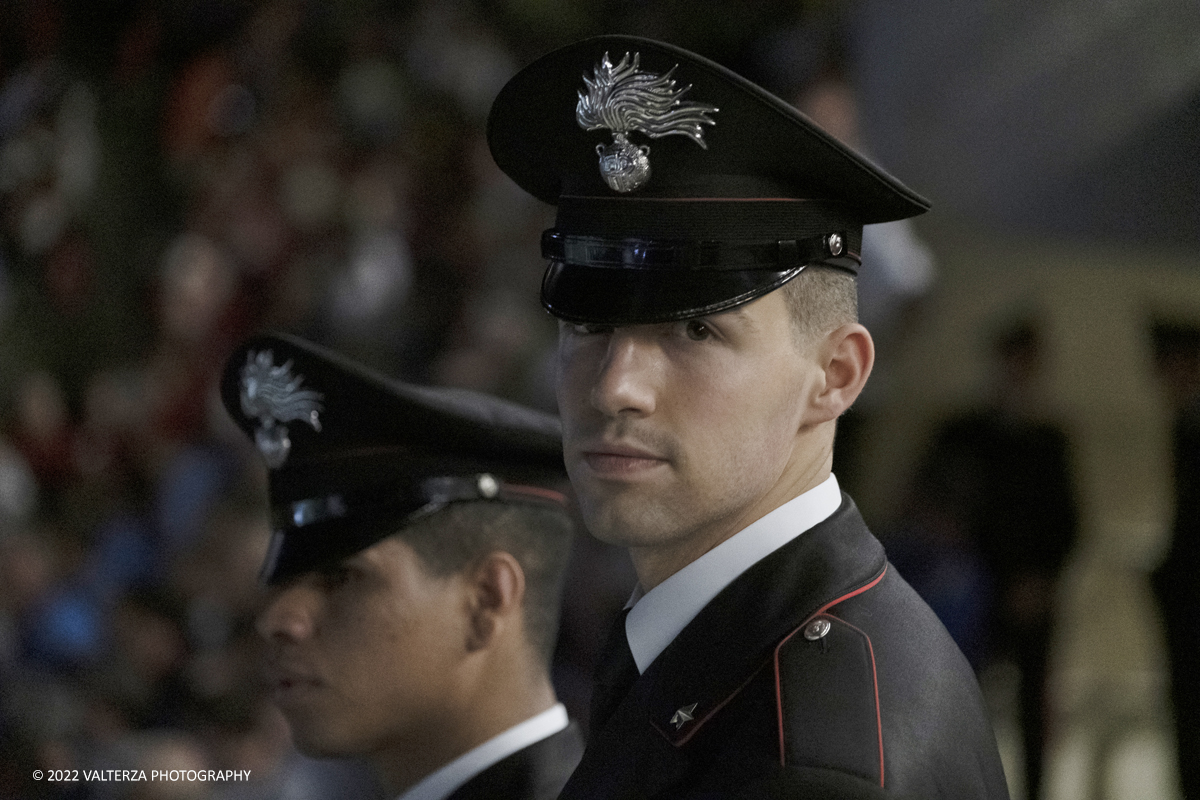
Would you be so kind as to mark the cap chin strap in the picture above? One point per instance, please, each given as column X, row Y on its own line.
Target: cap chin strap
column 829, row 249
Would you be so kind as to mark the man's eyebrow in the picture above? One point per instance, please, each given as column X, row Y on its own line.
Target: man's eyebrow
column 742, row 315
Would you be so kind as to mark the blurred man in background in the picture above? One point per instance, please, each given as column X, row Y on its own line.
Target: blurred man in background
column 1001, row 476
column 1177, row 355
column 414, row 572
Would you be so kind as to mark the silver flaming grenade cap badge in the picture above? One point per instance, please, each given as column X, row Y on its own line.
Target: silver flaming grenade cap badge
column 273, row 396
column 622, row 99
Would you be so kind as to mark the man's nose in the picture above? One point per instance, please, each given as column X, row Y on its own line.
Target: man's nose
column 288, row 614
column 625, row 384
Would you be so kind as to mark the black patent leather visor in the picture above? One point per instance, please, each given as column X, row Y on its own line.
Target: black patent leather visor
column 606, row 296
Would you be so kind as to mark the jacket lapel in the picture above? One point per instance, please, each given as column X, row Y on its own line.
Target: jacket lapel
column 626, row 758
column 639, row 751
column 736, row 633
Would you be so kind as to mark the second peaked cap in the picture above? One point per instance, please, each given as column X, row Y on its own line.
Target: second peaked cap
column 354, row 456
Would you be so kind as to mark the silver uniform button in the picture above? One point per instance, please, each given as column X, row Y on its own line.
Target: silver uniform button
column 816, row 629
column 488, row 486
column 835, row 244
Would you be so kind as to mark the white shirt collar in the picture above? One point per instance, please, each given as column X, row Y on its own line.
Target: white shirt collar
column 440, row 784
column 657, row 616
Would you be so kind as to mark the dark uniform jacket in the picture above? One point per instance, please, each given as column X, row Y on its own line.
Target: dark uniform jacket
column 536, row 772
column 817, row 673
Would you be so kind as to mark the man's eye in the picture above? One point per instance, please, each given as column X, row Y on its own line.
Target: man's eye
column 336, row 577
column 697, row 331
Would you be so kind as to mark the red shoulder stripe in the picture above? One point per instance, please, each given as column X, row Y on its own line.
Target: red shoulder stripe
column 874, row 582
column 875, row 682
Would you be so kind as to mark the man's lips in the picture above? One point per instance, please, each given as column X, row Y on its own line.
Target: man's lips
column 286, row 682
column 618, row 459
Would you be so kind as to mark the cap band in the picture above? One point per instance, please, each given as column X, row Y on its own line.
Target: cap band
column 298, row 525
column 631, row 253
column 430, row 495
column 704, row 218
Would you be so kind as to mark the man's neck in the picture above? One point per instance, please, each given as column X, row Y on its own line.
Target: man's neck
column 400, row 766
column 658, row 616
column 654, row 564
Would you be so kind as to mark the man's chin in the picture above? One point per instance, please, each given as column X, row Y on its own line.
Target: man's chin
column 611, row 525
column 316, row 741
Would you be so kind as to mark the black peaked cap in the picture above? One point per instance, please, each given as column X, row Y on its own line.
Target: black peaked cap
column 742, row 194
column 354, row 456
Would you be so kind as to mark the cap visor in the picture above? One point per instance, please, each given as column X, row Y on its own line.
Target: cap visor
column 607, row 296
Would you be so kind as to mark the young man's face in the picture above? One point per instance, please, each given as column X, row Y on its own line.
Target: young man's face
column 677, row 435
column 362, row 656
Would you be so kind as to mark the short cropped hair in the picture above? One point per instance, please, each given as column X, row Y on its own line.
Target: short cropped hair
column 453, row 539
column 820, row 299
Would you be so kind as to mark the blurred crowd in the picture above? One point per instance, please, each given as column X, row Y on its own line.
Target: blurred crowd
column 174, row 175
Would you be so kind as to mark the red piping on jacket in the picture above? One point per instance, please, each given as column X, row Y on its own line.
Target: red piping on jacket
column 870, row 649
column 700, row 722
column 875, row 683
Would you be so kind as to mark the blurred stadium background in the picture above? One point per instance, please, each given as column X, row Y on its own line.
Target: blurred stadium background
column 175, row 174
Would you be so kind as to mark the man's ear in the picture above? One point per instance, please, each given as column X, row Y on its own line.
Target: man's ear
column 496, row 586
column 846, row 355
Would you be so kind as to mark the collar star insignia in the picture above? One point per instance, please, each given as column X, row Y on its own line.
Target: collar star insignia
column 683, row 715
